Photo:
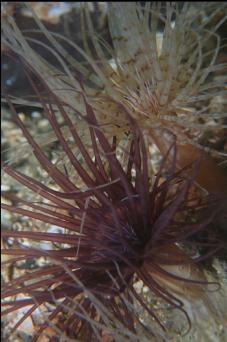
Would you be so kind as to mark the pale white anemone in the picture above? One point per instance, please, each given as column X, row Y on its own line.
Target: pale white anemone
column 161, row 65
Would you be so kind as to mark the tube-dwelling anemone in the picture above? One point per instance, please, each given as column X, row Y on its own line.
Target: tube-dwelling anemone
column 162, row 64
column 121, row 227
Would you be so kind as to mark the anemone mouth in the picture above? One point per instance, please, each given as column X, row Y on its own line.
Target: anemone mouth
column 123, row 238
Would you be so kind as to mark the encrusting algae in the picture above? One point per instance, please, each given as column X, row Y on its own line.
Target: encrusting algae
column 123, row 222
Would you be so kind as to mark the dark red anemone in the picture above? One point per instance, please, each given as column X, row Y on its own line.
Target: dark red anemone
column 124, row 228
